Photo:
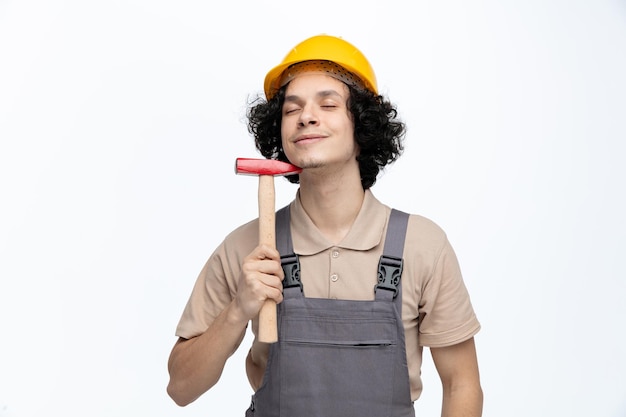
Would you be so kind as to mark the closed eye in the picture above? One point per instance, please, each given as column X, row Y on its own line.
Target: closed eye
column 291, row 110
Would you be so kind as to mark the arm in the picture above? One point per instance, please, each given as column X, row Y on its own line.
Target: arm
column 457, row 366
column 195, row 365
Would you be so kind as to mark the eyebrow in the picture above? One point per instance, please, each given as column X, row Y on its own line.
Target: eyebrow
column 321, row 94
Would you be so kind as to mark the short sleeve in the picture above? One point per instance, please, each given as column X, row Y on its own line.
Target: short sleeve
column 216, row 285
column 446, row 315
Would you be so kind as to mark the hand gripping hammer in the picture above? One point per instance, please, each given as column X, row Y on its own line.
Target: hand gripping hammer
column 266, row 169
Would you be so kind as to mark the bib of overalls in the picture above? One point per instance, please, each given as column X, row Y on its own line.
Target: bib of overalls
column 338, row 358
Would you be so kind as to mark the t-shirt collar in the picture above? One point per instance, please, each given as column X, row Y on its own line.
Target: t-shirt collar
column 366, row 232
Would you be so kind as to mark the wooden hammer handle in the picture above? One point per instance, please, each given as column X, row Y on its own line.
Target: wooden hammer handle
column 268, row 329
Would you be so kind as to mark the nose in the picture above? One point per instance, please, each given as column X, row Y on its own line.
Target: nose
column 308, row 117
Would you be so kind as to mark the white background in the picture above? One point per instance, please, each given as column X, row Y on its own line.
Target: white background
column 120, row 122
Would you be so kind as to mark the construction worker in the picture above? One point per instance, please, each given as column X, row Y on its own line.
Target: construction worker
column 365, row 286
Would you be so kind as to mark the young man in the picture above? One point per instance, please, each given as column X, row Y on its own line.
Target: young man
column 352, row 322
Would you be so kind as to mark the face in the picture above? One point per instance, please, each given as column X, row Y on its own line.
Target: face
column 317, row 128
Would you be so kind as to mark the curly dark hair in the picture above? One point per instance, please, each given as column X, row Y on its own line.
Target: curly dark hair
column 378, row 132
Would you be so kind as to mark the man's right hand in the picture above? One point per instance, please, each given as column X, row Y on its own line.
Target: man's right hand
column 261, row 278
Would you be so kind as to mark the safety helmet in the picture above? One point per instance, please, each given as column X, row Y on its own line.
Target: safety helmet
column 323, row 48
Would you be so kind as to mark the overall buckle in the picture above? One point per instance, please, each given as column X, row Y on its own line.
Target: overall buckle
column 291, row 268
column 389, row 273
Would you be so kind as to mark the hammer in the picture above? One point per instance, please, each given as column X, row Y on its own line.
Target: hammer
column 266, row 169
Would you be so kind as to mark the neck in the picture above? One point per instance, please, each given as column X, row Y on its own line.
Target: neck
column 332, row 204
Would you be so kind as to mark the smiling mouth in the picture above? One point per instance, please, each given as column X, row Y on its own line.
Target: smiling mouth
column 308, row 138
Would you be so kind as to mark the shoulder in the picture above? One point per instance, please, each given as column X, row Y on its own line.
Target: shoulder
column 424, row 234
column 424, row 225
column 418, row 225
column 241, row 241
column 428, row 253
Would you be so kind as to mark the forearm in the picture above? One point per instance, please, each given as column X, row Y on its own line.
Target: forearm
column 256, row 363
column 462, row 401
column 195, row 365
column 458, row 368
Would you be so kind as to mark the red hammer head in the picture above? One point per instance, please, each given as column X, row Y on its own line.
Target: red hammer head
column 271, row 167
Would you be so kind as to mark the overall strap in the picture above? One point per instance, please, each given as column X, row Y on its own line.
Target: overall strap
column 283, row 231
column 390, row 264
column 284, row 245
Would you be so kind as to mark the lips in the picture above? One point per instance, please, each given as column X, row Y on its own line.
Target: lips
column 309, row 138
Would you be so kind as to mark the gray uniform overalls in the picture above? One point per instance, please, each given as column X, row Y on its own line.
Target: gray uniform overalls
column 338, row 358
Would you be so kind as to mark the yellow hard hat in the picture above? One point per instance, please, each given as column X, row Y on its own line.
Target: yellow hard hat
column 323, row 48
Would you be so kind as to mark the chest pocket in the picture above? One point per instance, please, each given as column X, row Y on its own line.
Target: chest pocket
column 333, row 360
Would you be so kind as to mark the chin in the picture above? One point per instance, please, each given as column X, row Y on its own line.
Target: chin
column 306, row 163
column 311, row 164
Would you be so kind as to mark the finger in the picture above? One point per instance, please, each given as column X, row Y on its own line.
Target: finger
column 264, row 266
column 275, row 294
column 266, row 252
